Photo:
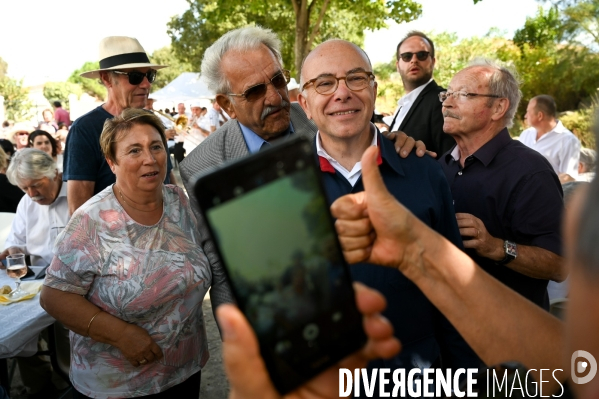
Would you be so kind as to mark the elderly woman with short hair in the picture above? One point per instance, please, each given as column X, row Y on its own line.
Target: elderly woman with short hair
column 128, row 277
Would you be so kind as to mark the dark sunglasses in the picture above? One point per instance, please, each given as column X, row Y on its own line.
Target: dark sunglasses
column 258, row 91
column 407, row 57
column 135, row 77
column 23, row 134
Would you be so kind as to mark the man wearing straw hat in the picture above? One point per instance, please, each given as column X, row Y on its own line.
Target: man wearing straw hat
column 127, row 73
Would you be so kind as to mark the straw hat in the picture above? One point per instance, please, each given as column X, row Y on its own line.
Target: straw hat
column 120, row 52
column 18, row 127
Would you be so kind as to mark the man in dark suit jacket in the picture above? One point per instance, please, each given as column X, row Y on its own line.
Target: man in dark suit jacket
column 236, row 68
column 419, row 112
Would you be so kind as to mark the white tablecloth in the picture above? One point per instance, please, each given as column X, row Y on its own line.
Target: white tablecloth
column 20, row 324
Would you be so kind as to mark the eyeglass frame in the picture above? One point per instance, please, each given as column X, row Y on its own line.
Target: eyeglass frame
column 370, row 74
column 448, row 93
column 145, row 75
column 412, row 54
column 286, row 74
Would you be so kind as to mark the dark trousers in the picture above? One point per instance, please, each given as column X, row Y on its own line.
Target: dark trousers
column 179, row 152
column 188, row 389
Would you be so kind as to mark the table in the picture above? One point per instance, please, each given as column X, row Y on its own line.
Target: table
column 20, row 325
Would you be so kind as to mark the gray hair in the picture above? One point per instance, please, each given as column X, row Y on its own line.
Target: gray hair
column 587, row 249
column 242, row 40
column 504, row 83
column 588, row 157
column 30, row 164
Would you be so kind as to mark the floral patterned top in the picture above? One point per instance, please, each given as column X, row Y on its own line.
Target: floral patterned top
column 153, row 276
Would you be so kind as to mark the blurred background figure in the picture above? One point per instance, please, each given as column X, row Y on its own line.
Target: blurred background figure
column 48, row 124
column 586, row 167
column 19, row 135
column 44, row 141
column 61, row 115
column 10, row 195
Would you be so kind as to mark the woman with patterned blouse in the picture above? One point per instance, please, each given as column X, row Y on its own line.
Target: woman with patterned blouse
column 128, row 277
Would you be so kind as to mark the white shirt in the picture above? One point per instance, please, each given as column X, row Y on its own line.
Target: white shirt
column 353, row 175
column 35, row 227
column 213, row 118
column 403, row 107
column 560, row 146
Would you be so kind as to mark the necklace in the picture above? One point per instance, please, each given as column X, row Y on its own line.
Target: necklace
column 141, row 210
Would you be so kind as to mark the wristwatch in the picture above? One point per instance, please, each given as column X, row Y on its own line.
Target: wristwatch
column 511, row 252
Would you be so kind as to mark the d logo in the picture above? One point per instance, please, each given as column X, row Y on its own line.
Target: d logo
column 581, row 366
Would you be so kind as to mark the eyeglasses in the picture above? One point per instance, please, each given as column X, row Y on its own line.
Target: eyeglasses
column 135, row 77
column 407, row 57
column 258, row 91
column 354, row 81
column 23, row 134
column 444, row 95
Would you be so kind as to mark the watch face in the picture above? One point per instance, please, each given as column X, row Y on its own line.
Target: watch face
column 511, row 248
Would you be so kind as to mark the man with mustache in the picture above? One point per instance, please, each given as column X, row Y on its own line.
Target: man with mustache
column 127, row 73
column 508, row 199
column 244, row 69
column 419, row 112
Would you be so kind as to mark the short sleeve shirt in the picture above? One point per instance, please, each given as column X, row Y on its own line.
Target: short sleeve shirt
column 83, row 157
column 517, row 195
column 213, row 117
column 152, row 276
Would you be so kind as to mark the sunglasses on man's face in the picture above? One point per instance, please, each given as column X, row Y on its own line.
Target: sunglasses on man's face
column 135, row 77
column 23, row 134
column 407, row 57
column 258, row 91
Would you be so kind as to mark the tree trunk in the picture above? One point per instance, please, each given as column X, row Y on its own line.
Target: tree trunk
column 302, row 27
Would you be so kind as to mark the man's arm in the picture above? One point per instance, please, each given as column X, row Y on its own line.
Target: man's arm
column 531, row 261
column 375, row 228
column 79, row 191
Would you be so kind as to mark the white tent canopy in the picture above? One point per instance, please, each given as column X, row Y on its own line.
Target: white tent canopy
column 187, row 87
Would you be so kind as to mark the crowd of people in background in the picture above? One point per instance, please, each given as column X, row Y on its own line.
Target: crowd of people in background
column 495, row 201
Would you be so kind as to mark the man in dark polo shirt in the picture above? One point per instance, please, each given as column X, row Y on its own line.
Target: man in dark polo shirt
column 508, row 199
column 338, row 92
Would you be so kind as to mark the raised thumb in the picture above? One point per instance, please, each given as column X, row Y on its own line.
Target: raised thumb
column 376, row 191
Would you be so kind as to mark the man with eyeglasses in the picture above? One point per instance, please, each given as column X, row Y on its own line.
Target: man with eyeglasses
column 508, row 199
column 127, row 73
column 418, row 112
column 244, row 68
column 338, row 92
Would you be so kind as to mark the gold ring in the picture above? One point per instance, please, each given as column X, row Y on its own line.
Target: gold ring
column 143, row 361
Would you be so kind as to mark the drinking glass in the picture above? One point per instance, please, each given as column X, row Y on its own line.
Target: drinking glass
column 16, row 268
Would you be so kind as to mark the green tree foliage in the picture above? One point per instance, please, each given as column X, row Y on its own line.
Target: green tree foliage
column 541, row 30
column 60, row 91
column 3, row 68
column 299, row 23
column 16, row 100
column 549, row 65
column 93, row 87
column 165, row 56
column 579, row 21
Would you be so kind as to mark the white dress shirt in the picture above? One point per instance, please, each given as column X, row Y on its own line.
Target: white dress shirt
column 403, row 107
column 560, row 146
column 353, row 175
column 35, row 227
